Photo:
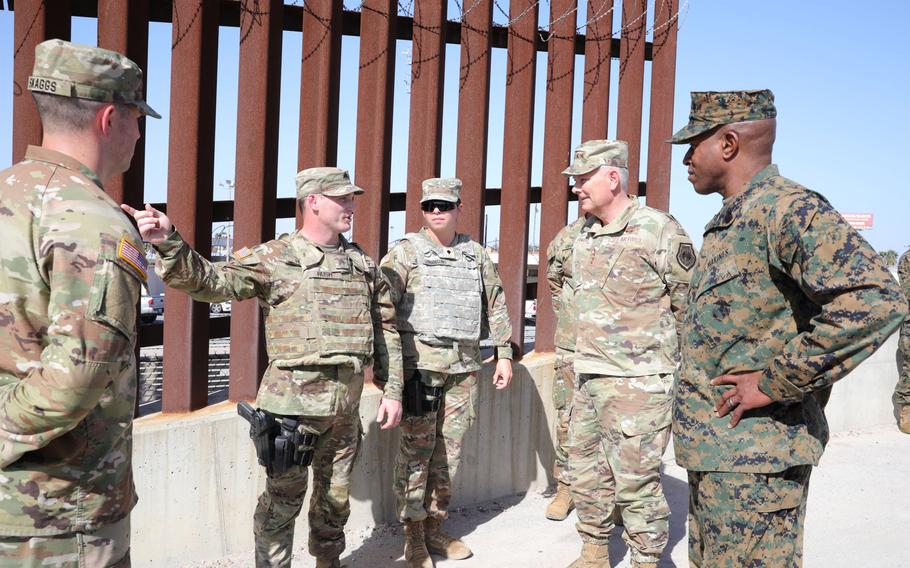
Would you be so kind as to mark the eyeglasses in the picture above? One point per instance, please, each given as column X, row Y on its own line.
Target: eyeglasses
column 443, row 206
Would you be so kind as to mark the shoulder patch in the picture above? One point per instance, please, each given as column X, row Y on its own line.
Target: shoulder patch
column 133, row 256
column 685, row 256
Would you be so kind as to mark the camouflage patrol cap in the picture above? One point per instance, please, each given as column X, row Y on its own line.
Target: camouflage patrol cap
column 711, row 109
column 84, row 72
column 325, row 181
column 596, row 153
column 443, row 189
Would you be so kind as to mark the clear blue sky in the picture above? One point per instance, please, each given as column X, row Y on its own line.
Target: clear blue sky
column 838, row 69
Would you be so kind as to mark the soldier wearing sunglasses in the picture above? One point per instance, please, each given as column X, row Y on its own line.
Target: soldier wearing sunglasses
column 447, row 292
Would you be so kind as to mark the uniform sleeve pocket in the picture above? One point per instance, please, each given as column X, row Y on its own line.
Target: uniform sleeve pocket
column 114, row 297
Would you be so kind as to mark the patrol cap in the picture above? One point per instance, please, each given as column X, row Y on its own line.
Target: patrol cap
column 443, row 189
column 84, row 72
column 324, row 181
column 711, row 109
column 596, row 153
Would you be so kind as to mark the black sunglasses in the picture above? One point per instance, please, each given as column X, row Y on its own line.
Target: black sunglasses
column 443, row 206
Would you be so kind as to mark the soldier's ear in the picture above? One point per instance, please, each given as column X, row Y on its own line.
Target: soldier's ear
column 104, row 118
column 729, row 144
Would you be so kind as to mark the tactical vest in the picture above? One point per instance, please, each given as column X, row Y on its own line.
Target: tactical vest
column 328, row 317
column 444, row 304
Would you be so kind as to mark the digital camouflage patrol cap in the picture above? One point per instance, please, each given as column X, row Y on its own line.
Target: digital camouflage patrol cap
column 334, row 182
column 711, row 109
column 80, row 71
column 596, row 153
column 443, row 189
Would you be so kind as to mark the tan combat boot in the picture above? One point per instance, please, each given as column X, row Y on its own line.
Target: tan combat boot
column 903, row 419
column 561, row 505
column 328, row 563
column 593, row 556
column 415, row 547
column 443, row 544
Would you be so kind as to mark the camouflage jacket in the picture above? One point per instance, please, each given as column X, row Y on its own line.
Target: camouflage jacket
column 399, row 268
column 73, row 266
column 903, row 273
column 272, row 272
column 561, row 282
column 783, row 285
column 632, row 280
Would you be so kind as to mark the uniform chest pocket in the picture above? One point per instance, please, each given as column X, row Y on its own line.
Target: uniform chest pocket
column 626, row 272
column 723, row 309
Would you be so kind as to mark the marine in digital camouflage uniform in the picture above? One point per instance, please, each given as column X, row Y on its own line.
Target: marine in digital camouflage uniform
column 327, row 311
column 632, row 269
column 786, row 299
column 562, row 289
column 72, row 268
column 446, row 290
column 902, row 390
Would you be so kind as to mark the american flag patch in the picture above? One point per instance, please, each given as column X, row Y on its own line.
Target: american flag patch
column 133, row 256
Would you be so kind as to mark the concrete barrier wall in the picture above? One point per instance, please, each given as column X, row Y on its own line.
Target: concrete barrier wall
column 198, row 479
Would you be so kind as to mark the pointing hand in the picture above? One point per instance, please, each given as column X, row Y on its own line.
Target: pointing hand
column 154, row 226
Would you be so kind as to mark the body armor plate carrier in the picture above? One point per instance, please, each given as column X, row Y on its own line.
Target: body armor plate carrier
column 445, row 305
column 328, row 316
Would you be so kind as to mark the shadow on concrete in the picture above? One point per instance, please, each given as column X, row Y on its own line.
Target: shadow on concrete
column 385, row 544
column 677, row 494
column 507, row 451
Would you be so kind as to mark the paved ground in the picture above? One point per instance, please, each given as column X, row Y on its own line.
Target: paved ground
column 859, row 514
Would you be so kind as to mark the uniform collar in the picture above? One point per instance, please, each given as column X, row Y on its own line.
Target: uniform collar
column 459, row 238
column 311, row 253
column 731, row 206
column 39, row 154
column 616, row 225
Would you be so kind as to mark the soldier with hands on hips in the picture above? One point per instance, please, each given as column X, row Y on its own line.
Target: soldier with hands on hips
column 447, row 292
column 328, row 312
column 786, row 299
column 73, row 267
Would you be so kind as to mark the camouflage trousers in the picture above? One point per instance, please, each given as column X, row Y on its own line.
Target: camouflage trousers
column 902, row 390
column 618, row 432
column 430, row 449
column 747, row 519
column 107, row 547
column 563, row 389
column 336, row 451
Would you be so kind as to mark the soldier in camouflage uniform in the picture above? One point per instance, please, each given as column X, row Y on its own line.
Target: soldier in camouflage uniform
column 562, row 288
column 786, row 299
column 73, row 265
column 902, row 390
column 446, row 290
column 632, row 269
column 327, row 309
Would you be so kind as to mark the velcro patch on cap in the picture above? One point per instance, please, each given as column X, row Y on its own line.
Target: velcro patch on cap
column 44, row 85
column 133, row 256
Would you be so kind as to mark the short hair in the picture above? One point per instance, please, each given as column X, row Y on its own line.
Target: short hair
column 68, row 114
column 623, row 175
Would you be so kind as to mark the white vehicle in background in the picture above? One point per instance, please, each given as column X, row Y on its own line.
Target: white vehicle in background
column 150, row 307
column 531, row 311
column 220, row 308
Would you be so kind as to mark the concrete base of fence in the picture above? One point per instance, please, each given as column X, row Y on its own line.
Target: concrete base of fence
column 198, row 479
